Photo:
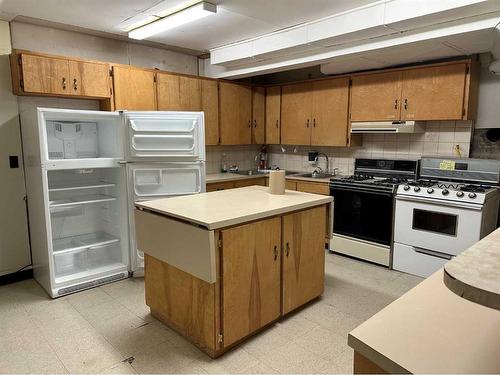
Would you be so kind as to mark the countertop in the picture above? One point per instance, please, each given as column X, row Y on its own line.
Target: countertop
column 221, row 177
column 431, row 330
column 475, row 273
column 219, row 209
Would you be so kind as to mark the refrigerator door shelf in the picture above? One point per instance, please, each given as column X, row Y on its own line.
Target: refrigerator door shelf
column 160, row 135
column 82, row 163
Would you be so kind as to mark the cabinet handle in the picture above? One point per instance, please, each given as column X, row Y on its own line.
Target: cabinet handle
column 75, row 86
column 396, row 104
column 307, row 123
column 406, row 103
column 287, row 249
column 275, row 252
column 249, row 123
column 254, row 123
column 314, row 122
column 64, row 83
column 276, row 124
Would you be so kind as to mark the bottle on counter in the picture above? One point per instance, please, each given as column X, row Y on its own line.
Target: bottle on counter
column 223, row 163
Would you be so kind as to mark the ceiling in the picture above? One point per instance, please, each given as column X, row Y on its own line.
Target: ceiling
column 235, row 20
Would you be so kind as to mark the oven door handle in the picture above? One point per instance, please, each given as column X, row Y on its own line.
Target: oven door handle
column 433, row 253
column 467, row 206
column 361, row 190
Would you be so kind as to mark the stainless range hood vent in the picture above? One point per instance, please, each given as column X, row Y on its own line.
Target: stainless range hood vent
column 387, row 127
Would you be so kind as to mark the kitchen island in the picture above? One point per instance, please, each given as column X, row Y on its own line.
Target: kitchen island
column 221, row 266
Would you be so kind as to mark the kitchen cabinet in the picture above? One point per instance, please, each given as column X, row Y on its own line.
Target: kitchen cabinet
column 434, row 93
column 376, row 97
column 235, row 114
column 134, row 88
column 303, row 257
column 224, row 185
column 290, row 185
column 178, row 93
column 313, row 187
column 258, row 115
column 210, row 105
column 315, row 113
column 273, row 115
column 37, row 74
column 251, row 270
column 445, row 91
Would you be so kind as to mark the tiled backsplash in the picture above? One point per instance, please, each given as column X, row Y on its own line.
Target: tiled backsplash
column 439, row 139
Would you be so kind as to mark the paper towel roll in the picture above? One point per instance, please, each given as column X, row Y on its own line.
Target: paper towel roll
column 277, row 182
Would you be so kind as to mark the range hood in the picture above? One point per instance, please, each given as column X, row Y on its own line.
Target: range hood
column 387, row 127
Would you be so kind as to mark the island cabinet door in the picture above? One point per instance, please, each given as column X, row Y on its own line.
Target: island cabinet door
column 303, row 257
column 250, row 278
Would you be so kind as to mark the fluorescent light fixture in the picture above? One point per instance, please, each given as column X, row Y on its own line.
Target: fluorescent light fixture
column 192, row 13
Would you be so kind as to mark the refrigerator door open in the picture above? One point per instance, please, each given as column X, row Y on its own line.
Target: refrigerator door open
column 154, row 136
column 149, row 181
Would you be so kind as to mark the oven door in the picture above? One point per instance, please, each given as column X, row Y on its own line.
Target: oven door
column 433, row 225
column 363, row 214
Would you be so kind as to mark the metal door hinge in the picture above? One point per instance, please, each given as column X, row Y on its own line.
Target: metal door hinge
column 350, row 82
column 154, row 78
column 467, row 69
column 21, row 83
column 219, row 338
column 20, row 60
column 111, row 72
column 219, row 244
column 463, row 111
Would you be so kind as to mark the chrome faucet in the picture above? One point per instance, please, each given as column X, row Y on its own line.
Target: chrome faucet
column 327, row 161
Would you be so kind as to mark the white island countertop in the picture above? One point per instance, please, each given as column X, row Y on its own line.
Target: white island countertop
column 219, row 209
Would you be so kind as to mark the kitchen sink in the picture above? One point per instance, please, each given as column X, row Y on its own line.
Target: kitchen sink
column 316, row 175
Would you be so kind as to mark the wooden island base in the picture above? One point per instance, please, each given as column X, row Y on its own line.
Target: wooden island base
column 264, row 270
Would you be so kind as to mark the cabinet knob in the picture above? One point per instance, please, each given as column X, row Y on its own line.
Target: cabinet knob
column 64, row 83
column 275, row 252
column 396, row 104
column 287, row 249
column 254, row 123
column 314, row 122
column 249, row 123
column 75, row 86
column 307, row 123
column 406, row 103
column 277, row 124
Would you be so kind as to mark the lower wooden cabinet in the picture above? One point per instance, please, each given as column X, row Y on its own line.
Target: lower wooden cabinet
column 308, row 186
column 251, row 272
column 224, row 185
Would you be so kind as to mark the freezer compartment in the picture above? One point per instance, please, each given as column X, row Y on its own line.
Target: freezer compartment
column 177, row 135
column 74, row 138
column 88, row 219
column 87, row 261
column 167, row 179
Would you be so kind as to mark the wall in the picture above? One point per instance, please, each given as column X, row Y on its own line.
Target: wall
column 14, row 246
column 488, row 108
column 439, row 139
column 241, row 156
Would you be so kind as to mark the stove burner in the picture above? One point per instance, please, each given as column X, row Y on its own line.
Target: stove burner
column 357, row 178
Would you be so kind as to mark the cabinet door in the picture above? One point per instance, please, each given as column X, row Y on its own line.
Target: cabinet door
column 258, row 115
column 251, row 278
column 303, row 257
column 89, row 79
column 434, row 93
column 235, row 114
column 290, row 185
column 273, row 114
column 210, row 105
column 134, row 89
column 45, row 75
column 178, row 93
column 296, row 114
column 313, row 187
column 330, row 108
column 216, row 186
column 376, row 97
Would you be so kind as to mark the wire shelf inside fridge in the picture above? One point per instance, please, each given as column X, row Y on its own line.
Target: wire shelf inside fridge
column 80, row 187
column 81, row 199
column 82, row 242
column 85, row 274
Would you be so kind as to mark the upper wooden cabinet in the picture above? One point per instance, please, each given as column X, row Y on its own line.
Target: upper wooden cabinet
column 444, row 91
column 235, row 102
column 37, row 74
column 258, row 115
column 134, row 88
column 273, row 114
column 376, row 97
column 210, row 105
column 434, row 93
column 178, row 93
column 315, row 113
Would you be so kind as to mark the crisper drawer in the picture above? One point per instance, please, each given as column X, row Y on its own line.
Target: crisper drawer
column 177, row 135
column 419, row 262
column 82, row 262
column 167, row 179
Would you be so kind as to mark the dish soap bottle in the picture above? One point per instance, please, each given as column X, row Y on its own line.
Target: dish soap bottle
column 223, row 163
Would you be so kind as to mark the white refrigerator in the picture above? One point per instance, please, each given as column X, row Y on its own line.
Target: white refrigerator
column 85, row 170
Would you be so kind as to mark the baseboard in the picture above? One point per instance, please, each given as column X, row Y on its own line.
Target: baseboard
column 16, row 276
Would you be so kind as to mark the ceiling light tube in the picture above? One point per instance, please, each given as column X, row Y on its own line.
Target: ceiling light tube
column 192, row 13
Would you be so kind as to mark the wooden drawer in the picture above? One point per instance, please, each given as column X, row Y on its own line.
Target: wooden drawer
column 313, row 187
column 290, row 185
column 261, row 181
column 214, row 186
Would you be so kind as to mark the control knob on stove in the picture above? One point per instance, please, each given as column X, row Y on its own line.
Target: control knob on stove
column 460, row 194
column 406, row 187
column 445, row 192
column 430, row 190
column 472, row 195
column 416, row 188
